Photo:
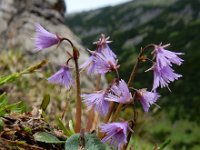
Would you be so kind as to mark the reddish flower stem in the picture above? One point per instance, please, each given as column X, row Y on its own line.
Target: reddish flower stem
column 95, row 122
column 78, row 87
column 131, row 78
column 111, row 108
column 131, row 125
column 129, row 84
column 65, row 110
column 106, row 119
column 90, row 119
column 92, row 115
column 78, row 92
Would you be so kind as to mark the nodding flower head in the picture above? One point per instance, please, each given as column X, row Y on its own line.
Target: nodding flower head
column 62, row 77
column 97, row 100
column 102, row 60
column 116, row 133
column 119, row 92
column 105, row 61
column 102, row 45
column 147, row 98
column 44, row 39
column 102, row 41
column 163, row 76
column 89, row 64
column 165, row 57
column 163, row 72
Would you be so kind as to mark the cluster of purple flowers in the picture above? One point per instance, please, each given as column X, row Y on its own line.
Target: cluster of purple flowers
column 163, row 72
column 101, row 61
column 45, row 39
column 104, row 60
column 118, row 92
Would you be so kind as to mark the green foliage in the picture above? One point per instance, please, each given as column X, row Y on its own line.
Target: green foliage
column 61, row 125
column 46, row 138
column 9, row 78
column 6, row 108
column 165, row 144
column 1, row 125
column 91, row 142
column 31, row 87
column 71, row 127
column 15, row 76
column 159, row 129
column 45, row 102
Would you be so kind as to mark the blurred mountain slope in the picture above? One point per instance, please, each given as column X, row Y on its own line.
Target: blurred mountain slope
column 141, row 22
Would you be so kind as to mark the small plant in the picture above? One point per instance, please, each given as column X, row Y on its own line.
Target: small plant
column 106, row 104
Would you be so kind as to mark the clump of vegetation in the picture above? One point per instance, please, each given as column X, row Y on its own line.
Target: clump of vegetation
column 104, row 105
column 103, row 124
column 26, row 130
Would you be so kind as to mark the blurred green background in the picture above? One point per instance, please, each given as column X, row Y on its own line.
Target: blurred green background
column 135, row 24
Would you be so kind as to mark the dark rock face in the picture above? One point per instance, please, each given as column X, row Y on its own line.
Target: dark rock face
column 17, row 15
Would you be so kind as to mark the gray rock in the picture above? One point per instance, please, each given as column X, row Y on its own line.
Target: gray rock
column 18, row 18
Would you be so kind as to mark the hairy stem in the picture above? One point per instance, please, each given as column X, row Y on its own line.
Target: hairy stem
column 129, row 84
column 106, row 119
column 116, row 114
column 90, row 119
column 132, row 76
column 65, row 109
column 133, row 73
column 78, row 92
column 111, row 108
column 131, row 125
column 92, row 114
column 110, row 111
column 95, row 121
column 78, row 88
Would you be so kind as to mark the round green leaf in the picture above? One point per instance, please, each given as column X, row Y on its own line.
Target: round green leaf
column 92, row 142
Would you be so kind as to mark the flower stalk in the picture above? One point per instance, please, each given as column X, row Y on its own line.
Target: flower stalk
column 78, row 92
column 92, row 115
column 131, row 78
column 78, row 87
column 131, row 126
